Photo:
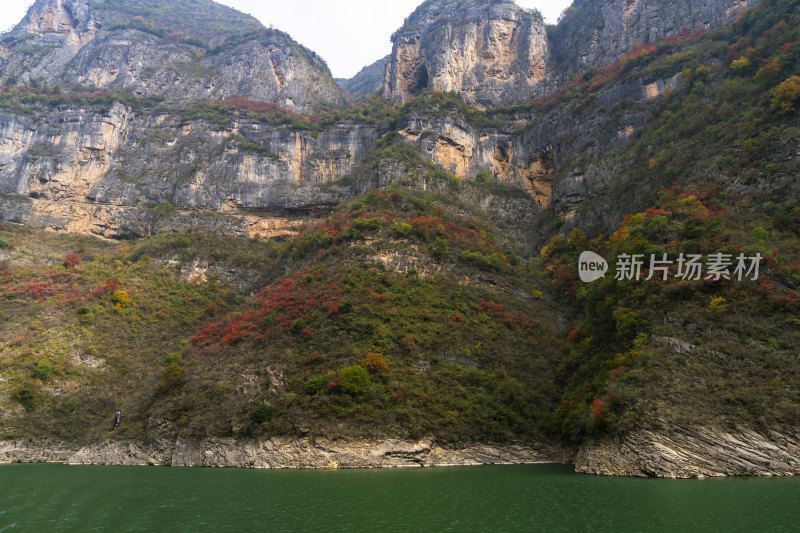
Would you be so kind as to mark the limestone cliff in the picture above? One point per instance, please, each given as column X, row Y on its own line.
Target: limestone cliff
column 494, row 53
column 179, row 51
column 490, row 52
column 105, row 173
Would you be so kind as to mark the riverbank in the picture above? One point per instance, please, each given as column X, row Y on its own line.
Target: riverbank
column 310, row 453
column 677, row 452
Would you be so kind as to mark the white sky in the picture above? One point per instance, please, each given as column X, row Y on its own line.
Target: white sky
column 348, row 34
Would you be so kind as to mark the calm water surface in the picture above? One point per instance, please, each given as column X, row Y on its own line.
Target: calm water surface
column 485, row 498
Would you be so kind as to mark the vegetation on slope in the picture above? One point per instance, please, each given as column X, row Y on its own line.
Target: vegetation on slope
column 405, row 313
column 715, row 163
column 394, row 316
column 719, row 352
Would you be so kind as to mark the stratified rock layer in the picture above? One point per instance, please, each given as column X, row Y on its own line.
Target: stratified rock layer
column 89, row 171
column 276, row 453
column 688, row 451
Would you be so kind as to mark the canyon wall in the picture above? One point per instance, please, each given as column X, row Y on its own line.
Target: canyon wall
column 120, row 172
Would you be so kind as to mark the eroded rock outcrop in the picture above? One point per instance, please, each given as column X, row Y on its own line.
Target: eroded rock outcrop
column 491, row 53
column 278, row 453
column 687, row 452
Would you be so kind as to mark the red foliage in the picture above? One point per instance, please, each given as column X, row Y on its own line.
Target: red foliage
column 40, row 290
column 488, row 306
column 72, row 260
column 617, row 373
column 109, row 286
column 573, row 335
column 17, row 341
column 650, row 213
column 334, row 386
column 282, row 304
column 597, row 409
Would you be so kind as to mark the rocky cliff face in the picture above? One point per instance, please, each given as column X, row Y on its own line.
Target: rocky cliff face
column 539, row 154
column 107, row 172
column 492, row 53
column 108, row 45
column 594, row 33
column 688, row 452
column 495, row 53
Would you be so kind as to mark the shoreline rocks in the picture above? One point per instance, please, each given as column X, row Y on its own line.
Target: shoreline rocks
column 279, row 453
column 679, row 452
column 693, row 452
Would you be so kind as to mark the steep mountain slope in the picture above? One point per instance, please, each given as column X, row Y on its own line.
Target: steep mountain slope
column 367, row 81
column 192, row 49
column 596, row 33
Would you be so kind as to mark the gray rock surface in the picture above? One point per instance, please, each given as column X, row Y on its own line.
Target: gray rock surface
column 496, row 53
column 277, row 453
column 86, row 170
column 79, row 42
column 491, row 53
column 367, row 81
column 690, row 452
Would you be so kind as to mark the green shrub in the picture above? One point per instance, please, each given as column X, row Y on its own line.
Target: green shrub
column 314, row 384
column 44, row 370
column 368, row 224
column 354, row 380
column 298, row 326
column 484, row 177
column 440, row 247
column 174, row 358
column 28, row 396
column 261, row 413
column 402, row 229
column 172, row 379
column 486, row 262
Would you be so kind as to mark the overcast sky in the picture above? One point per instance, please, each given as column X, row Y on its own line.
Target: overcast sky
column 348, row 34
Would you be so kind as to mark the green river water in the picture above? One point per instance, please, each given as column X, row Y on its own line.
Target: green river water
column 483, row 498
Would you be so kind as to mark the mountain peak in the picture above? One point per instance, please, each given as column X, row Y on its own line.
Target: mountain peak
column 491, row 52
column 182, row 50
